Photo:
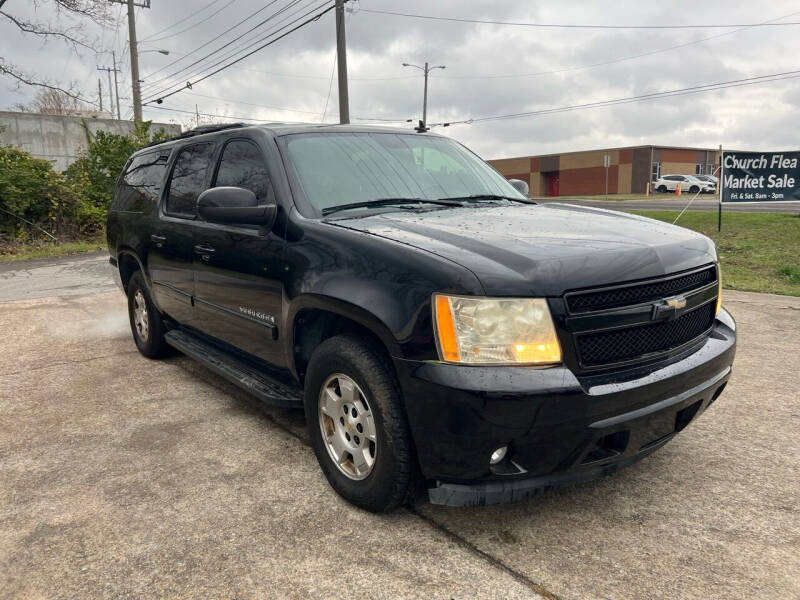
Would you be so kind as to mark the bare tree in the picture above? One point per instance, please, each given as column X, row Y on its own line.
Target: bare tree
column 67, row 27
column 52, row 102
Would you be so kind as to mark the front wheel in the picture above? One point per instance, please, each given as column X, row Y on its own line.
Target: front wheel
column 357, row 425
column 662, row 189
column 694, row 189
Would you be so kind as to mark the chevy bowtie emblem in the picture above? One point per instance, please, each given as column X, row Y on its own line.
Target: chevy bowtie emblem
column 669, row 308
column 677, row 303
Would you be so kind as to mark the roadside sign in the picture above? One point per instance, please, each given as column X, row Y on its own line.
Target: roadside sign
column 607, row 160
column 750, row 177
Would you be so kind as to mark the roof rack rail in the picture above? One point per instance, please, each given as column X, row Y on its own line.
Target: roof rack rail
column 197, row 131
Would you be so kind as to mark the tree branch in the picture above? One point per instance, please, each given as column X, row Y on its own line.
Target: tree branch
column 96, row 10
column 11, row 71
column 44, row 31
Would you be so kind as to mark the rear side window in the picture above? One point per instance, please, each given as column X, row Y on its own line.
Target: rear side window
column 242, row 165
column 188, row 179
column 141, row 183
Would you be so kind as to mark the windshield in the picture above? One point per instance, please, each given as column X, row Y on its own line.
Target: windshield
column 335, row 168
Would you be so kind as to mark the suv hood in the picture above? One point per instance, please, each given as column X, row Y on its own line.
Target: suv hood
column 543, row 249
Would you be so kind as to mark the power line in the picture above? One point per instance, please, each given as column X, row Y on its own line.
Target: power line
column 242, row 44
column 192, row 112
column 569, row 25
column 320, row 77
column 652, row 96
column 206, row 44
column 183, row 20
column 315, row 17
column 216, row 12
column 186, row 70
column 615, row 60
column 308, row 112
column 330, row 88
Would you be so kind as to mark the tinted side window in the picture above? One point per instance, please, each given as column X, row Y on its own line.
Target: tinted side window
column 141, row 183
column 243, row 166
column 188, row 178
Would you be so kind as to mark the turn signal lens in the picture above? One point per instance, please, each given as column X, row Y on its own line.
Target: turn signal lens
column 495, row 330
column 719, row 289
column 448, row 344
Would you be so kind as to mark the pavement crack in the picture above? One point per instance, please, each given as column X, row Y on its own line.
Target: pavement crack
column 495, row 562
column 68, row 362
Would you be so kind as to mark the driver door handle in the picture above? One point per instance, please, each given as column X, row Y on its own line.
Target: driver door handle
column 158, row 240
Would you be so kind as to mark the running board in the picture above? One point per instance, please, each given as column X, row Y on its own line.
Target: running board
column 250, row 378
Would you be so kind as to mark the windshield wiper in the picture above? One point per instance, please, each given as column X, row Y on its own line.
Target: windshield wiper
column 489, row 197
column 389, row 202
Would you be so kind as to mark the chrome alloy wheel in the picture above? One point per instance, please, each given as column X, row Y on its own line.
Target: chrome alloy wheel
column 140, row 318
column 347, row 425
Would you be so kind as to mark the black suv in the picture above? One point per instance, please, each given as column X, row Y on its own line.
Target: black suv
column 437, row 326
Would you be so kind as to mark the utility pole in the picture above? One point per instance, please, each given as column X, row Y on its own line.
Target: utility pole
column 108, row 70
column 116, row 87
column 100, row 93
column 426, row 70
column 137, row 95
column 341, row 60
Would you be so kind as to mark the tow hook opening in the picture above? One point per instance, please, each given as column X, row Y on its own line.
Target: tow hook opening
column 608, row 446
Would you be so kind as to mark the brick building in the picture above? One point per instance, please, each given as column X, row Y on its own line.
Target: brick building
column 584, row 173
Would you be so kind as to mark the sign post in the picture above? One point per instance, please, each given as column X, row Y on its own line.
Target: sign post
column 606, row 164
column 719, row 191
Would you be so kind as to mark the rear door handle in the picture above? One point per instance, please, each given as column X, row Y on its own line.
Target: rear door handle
column 201, row 249
column 158, row 239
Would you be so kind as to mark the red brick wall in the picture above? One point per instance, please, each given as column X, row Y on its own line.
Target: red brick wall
column 589, row 180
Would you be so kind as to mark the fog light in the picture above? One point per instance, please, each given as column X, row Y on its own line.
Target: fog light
column 498, row 455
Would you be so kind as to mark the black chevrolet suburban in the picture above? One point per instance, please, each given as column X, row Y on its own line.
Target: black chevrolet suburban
column 440, row 330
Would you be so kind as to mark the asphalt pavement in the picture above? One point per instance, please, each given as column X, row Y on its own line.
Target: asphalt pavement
column 670, row 202
column 131, row 478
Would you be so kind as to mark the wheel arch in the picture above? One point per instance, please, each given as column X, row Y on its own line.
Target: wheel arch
column 128, row 262
column 312, row 319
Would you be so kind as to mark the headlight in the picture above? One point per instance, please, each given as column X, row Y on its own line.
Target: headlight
column 719, row 288
column 495, row 330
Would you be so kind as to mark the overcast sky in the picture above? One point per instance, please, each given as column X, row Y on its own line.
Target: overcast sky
column 295, row 73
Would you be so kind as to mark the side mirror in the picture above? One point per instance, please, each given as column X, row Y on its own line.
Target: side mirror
column 234, row 205
column 520, row 186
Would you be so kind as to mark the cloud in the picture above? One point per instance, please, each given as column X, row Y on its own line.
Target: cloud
column 295, row 72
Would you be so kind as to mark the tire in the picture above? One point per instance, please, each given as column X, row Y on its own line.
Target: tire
column 147, row 326
column 694, row 189
column 389, row 480
column 662, row 189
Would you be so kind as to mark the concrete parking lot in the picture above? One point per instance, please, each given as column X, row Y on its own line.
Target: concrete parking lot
column 125, row 477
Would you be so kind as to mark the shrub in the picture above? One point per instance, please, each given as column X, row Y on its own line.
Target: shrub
column 31, row 189
column 69, row 204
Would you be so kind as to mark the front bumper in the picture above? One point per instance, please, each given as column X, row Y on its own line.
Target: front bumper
column 559, row 428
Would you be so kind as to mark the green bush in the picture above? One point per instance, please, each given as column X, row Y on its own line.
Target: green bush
column 95, row 172
column 72, row 204
column 29, row 188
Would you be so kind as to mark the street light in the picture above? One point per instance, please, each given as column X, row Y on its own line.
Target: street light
column 164, row 52
column 426, row 69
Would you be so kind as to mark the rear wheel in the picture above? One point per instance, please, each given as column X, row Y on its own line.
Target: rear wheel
column 147, row 325
column 662, row 189
column 357, row 425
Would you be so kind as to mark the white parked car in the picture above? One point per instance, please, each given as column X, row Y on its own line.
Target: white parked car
column 688, row 183
column 709, row 178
